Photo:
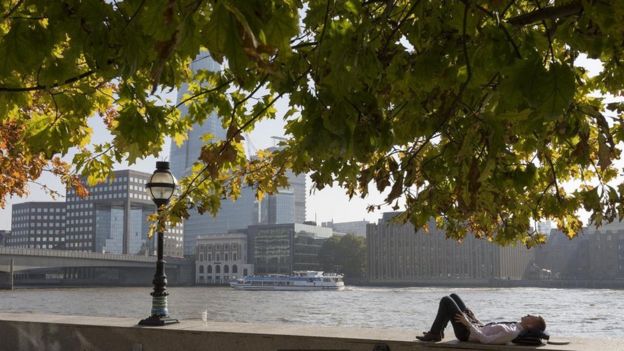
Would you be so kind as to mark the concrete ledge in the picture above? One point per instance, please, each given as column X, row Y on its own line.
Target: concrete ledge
column 26, row 332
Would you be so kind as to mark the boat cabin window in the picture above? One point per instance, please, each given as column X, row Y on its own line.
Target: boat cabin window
column 327, row 280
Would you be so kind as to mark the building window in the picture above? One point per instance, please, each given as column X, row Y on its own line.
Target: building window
column 209, row 269
column 201, row 269
column 217, row 269
column 226, row 258
column 226, row 269
column 234, row 258
column 234, row 269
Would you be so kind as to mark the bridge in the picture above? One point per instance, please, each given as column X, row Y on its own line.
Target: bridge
column 25, row 266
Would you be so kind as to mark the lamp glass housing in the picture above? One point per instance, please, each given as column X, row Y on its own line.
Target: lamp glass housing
column 162, row 185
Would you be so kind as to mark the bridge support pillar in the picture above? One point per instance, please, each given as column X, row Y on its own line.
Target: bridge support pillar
column 11, row 274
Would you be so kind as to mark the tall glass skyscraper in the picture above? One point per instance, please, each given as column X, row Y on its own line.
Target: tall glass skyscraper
column 286, row 207
column 233, row 215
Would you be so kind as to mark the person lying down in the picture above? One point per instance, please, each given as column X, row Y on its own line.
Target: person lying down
column 468, row 328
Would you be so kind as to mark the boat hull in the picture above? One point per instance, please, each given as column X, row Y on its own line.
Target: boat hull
column 286, row 288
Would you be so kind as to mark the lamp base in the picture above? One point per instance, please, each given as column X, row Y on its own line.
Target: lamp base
column 157, row 321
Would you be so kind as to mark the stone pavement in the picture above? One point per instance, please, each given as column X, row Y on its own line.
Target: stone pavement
column 26, row 332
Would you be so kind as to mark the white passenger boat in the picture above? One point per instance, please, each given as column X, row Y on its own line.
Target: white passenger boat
column 299, row 280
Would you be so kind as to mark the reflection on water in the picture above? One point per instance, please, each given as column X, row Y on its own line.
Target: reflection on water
column 567, row 312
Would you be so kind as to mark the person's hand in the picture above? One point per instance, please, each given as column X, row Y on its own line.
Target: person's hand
column 461, row 318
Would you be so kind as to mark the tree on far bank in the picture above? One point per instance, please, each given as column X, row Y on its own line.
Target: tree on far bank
column 344, row 254
column 472, row 112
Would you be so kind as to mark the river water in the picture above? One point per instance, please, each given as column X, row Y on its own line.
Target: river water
column 568, row 312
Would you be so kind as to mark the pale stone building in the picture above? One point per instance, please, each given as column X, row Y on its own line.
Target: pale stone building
column 399, row 254
column 220, row 258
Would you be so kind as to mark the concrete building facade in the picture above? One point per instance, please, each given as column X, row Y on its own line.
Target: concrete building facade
column 284, row 248
column 113, row 218
column 4, row 236
column 399, row 254
column 595, row 254
column 220, row 258
column 39, row 225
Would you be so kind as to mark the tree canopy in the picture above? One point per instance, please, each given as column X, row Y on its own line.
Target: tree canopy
column 344, row 254
column 469, row 111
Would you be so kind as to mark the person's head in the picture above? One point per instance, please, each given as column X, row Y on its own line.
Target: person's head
column 533, row 323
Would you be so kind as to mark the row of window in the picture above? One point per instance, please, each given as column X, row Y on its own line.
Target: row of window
column 81, row 221
column 217, row 257
column 39, row 210
column 40, row 217
column 45, row 224
column 79, row 229
column 84, row 205
column 35, row 239
column 80, row 213
column 232, row 246
column 80, row 236
column 217, row 269
column 38, row 246
column 37, row 231
column 78, row 245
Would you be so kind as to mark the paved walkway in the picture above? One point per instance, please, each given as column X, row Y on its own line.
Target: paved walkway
column 38, row 332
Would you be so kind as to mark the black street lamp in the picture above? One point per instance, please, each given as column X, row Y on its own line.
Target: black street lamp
column 161, row 186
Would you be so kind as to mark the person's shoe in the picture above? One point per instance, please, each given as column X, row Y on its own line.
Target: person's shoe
column 441, row 334
column 431, row 337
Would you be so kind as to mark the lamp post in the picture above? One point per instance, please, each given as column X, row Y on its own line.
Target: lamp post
column 161, row 186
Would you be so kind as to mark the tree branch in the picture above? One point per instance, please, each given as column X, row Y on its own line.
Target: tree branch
column 12, row 10
column 46, row 87
column 570, row 9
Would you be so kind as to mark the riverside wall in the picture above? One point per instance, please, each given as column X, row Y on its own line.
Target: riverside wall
column 503, row 283
column 25, row 332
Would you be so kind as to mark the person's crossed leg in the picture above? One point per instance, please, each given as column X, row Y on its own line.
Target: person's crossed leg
column 449, row 307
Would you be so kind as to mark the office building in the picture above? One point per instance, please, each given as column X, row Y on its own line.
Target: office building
column 277, row 208
column 287, row 206
column 284, row 248
column 4, row 237
column 113, row 218
column 220, row 258
column 39, row 225
column 357, row 228
column 399, row 254
column 594, row 254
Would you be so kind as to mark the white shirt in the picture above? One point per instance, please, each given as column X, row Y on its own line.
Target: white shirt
column 494, row 333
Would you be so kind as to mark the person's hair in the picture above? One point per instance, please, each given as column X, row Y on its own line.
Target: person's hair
column 540, row 324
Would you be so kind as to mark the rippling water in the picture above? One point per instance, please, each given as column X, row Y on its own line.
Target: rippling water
column 568, row 312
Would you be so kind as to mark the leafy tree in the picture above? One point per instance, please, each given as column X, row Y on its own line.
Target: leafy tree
column 329, row 256
column 345, row 254
column 471, row 111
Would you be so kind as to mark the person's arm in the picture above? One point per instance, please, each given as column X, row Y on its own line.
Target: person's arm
column 473, row 317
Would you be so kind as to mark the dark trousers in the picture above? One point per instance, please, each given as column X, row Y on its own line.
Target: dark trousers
column 449, row 307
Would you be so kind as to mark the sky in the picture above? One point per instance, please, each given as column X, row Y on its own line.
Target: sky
column 322, row 206
column 329, row 204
